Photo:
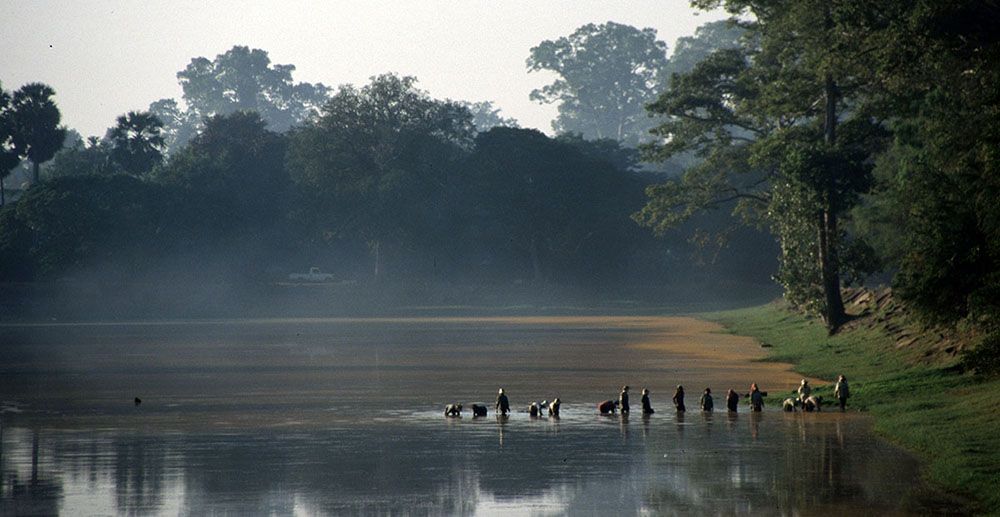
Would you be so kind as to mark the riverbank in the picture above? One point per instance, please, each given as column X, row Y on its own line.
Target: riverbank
column 919, row 400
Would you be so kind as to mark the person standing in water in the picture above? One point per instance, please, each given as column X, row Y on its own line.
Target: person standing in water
column 842, row 391
column 623, row 400
column 647, row 409
column 503, row 405
column 679, row 398
column 707, row 404
column 756, row 398
column 732, row 400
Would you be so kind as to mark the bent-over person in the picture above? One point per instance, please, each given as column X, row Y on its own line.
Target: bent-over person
column 647, row 409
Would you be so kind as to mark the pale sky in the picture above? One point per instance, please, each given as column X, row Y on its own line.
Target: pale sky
column 106, row 57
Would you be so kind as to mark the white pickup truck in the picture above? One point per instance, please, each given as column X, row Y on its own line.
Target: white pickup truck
column 314, row 275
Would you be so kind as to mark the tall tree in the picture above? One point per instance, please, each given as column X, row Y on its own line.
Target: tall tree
column 377, row 156
column 606, row 75
column 136, row 142
column 37, row 135
column 707, row 38
column 554, row 206
column 240, row 79
column 235, row 171
column 243, row 79
column 486, row 116
column 772, row 123
column 180, row 125
column 9, row 157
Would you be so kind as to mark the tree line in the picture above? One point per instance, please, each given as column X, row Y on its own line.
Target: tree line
column 255, row 173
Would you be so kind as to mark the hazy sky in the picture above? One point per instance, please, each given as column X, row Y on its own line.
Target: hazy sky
column 107, row 57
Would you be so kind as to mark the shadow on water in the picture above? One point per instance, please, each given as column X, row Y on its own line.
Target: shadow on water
column 769, row 463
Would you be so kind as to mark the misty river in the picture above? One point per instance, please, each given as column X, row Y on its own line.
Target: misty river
column 334, row 416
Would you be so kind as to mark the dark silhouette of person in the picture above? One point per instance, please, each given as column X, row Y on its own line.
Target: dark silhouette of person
column 679, row 398
column 503, row 405
column 707, row 404
column 647, row 409
column 732, row 400
column 756, row 398
column 138, row 401
column 623, row 400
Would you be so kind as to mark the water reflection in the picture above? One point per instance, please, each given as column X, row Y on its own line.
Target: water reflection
column 743, row 464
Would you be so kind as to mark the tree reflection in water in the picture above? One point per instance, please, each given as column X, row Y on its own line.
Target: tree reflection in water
column 748, row 464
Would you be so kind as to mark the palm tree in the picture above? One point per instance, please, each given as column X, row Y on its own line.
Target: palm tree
column 137, row 142
column 37, row 135
column 9, row 157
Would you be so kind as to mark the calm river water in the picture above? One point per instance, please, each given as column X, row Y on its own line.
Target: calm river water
column 345, row 417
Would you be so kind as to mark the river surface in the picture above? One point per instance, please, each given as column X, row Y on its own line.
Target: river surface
column 344, row 416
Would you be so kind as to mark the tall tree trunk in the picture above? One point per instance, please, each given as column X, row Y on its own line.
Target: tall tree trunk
column 34, row 167
column 3, row 193
column 828, row 257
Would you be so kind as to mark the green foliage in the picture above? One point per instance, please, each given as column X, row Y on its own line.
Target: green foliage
column 76, row 221
column 241, row 79
column 136, row 143
column 707, row 39
column 984, row 358
column 606, row 75
column 556, row 210
column 9, row 156
column 83, row 159
column 486, row 116
column 933, row 214
column 374, row 157
column 773, row 116
column 36, row 134
column 234, row 171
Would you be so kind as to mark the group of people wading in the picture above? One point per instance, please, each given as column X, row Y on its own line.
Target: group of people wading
column 707, row 403
column 805, row 400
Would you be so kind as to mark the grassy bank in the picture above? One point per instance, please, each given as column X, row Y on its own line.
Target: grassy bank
column 949, row 418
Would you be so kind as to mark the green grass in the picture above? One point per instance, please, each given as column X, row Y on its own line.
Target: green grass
column 950, row 419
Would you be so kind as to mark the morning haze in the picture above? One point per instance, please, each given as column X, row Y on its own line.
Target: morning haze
column 107, row 58
column 736, row 257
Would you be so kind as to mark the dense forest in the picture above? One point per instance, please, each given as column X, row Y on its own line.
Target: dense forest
column 854, row 141
column 253, row 176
